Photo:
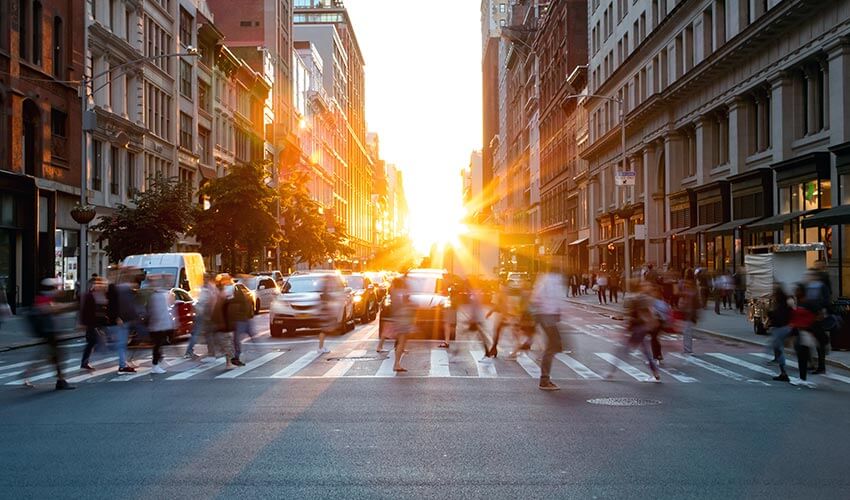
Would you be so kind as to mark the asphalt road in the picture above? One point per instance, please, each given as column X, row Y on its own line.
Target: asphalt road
column 335, row 428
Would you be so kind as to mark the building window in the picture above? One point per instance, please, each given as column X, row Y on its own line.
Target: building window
column 58, row 42
column 186, row 79
column 158, row 43
column 23, row 32
column 187, row 177
column 185, row 28
column 689, row 151
column 720, row 138
column 97, row 166
column 204, row 96
column 204, row 146
column 811, row 97
column 758, row 105
column 36, row 33
column 131, row 173
column 114, row 169
column 185, row 131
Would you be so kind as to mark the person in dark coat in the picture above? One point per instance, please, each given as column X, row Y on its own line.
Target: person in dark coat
column 94, row 316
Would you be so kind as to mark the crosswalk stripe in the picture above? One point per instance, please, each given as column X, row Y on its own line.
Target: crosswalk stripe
column 673, row 372
column 627, row 368
column 90, row 375
column 17, row 365
column 582, row 371
column 485, row 367
column 439, row 364
column 528, row 364
column 714, row 368
column 265, row 358
column 297, row 365
column 198, row 369
column 67, row 362
column 595, row 335
column 793, row 364
column 52, row 373
column 741, row 363
column 142, row 371
column 386, row 368
column 343, row 365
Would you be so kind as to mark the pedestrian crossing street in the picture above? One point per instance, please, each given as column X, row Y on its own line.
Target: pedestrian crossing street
column 359, row 360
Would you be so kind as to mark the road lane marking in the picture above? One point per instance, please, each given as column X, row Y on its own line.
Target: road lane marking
column 198, row 369
column 744, row 364
column 439, row 363
column 265, row 358
column 297, row 365
column 343, row 365
column 67, row 362
column 673, row 372
column 485, row 367
column 527, row 364
column 386, row 368
column 793, row 364
column 627, row 368
column 17, row 365
column 52, row 373
column 582, row 371
column 594, row 335
column 715, row 368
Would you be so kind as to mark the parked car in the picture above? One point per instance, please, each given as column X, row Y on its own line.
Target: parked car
column 183, row 311
column 264, row 289
column 277, row 276
column 185, row 270
column 429, row 295
column 300, row 304
column 365, row 299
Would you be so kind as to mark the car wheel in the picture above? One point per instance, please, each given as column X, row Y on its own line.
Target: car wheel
column 276, row 331
column 257, row 307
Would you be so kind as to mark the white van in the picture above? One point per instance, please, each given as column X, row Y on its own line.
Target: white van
column 186, row 270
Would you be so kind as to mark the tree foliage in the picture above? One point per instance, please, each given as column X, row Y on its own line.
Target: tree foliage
column 241, row 219
column 305, row 233
column 152, row 222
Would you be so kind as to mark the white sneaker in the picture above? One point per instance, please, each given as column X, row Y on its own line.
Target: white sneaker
column 157, row 369
column 485, row 359
column 323, row 350
column 803, row 383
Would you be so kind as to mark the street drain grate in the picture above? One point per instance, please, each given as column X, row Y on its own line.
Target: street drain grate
column 624, row 402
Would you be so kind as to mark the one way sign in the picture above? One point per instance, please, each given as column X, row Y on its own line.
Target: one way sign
column 626, row 178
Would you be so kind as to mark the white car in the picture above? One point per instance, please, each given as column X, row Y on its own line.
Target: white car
column 264, row 289
column 300, row 304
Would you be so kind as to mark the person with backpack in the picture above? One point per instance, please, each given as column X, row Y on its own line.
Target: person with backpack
column 642, row 321
column 94, row 317
column 221, row 326
column 779, row 319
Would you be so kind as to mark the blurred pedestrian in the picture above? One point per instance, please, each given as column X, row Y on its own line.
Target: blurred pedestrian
column 401, row 319
column 330, row 307
column 819, row 302
column 160, row 319
column 642, row 321
column 501, row 309
column 739, row 283
column 547, row 302
column 614, row 286
column 601, row 287
column 43, row 324
column 241, row 311
column 93, row 316
column 802, row 320
column 449, row 318
column 780, row 329
column 123, row 314
column 220, row 341
column 664, row 313
column 687, row 311
column 203, row 311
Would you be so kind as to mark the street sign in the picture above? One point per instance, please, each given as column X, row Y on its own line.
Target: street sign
column 626, row 178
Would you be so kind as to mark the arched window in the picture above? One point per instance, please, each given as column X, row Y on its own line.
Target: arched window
column 58, row 42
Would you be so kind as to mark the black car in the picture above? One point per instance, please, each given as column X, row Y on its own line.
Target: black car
column 366, row 302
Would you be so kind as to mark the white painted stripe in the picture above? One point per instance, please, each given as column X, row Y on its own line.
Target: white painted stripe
column 124, row 377
column 673, row 372
column 528, row 364
column 741, row 363
column 18, row 365
column 91, row 375
column 52, row 372
column 486, row 368
column 198, row 369
column 582, row 371
column 265, row 358
column 343, row 365
column 439, row 363
column 386, row 368
column 793, row 364
column 297, row 365
column 627, row 368
column 67, row 362
column 595, row 335
column 714, row 368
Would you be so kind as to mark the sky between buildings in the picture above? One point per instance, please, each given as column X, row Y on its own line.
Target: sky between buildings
column 423, row 97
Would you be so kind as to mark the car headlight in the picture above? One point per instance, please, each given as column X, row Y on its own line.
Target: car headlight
column 447, row 303
column 358, row 298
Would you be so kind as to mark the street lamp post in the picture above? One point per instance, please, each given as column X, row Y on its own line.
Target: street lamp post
column 88, row 125
column 626, row 243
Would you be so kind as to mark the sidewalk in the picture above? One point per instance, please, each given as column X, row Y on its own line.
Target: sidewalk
column 15, row 332
column 728, row 325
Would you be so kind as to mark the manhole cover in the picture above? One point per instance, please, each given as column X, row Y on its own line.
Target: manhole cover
column 624, row 402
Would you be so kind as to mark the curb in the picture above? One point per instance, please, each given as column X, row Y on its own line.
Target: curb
column 36, row 342
column 724, row 336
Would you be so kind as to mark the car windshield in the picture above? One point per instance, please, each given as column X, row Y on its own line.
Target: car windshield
column 355, row 282
column 305, row 284
column 159, row 271
column 424, row 283
column 251, row 283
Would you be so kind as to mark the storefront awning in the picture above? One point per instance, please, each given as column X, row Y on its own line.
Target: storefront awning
column 776, row 222
column 730, row 226
column 578, row 242
column 837, row 216
column 697, row 229
column 559, row 248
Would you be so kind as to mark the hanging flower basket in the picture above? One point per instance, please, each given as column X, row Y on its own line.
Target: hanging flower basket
column 83, row 214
